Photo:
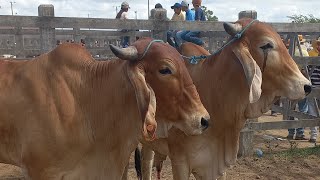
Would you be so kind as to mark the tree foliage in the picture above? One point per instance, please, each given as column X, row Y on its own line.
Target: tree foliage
column 209, row 14
column 304, row 18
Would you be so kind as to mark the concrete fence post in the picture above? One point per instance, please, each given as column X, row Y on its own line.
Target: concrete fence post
column 47, row 33
column 248, row 14
column 246, row 142
column 160, row 17
column 246, row 138
column 19, row 44
column 76, row 35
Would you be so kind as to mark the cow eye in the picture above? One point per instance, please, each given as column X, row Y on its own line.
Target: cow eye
column 165, row 71
column 267, row 46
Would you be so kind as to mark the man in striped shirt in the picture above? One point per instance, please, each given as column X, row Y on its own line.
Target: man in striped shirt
column 306, row 105
column 315, row 70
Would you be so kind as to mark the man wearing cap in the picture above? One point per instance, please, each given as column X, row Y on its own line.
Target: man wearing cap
column 158, row 6
column 189, row 13
column 123, row 14
column 315, row 80
column 305, row 105
column 177, row 16
column 199, row 14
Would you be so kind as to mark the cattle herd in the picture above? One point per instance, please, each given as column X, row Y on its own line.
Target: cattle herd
column 64, row 115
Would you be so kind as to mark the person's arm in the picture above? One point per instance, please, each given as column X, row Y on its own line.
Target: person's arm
column 197, row 15
column 173, row 17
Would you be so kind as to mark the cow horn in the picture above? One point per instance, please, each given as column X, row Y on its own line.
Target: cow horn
column 129, row 53
column 232, row 29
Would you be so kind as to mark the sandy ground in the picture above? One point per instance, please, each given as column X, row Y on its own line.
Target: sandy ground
column 271, row 166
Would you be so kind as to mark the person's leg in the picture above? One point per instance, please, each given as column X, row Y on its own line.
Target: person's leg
column 300, row 134
column 303, row 107
column 127, row 40
column 313, row 134
column 312, row 110
column 273, row 113
column 193, row 36
column 179, row 37
column 291, row 131
column 170, row 38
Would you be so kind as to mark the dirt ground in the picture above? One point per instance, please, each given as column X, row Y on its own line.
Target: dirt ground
column 281, row 160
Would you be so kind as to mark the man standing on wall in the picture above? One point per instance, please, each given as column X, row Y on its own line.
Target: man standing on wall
column 123, row 14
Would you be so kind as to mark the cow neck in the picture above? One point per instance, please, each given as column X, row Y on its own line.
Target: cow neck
column 108, row 107
column 228, row 86
column 109, row 92
column 263, row 105
column 197, row 71
column 229, row 89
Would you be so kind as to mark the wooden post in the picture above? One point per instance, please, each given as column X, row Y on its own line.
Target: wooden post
column 286, row 104
column 47, row 33
column 246, row 142
column 160, row 17
column 212, row 44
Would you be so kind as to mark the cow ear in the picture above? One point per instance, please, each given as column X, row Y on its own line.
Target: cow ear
column 146, row 100
column 251, row 70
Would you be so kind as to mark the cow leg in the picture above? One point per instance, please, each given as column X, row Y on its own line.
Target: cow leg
column 223, row 177
column 158, row 161
column 137, row 162
column 180, row 171
column 208, row 177
column 147, row 162
column 125, row 173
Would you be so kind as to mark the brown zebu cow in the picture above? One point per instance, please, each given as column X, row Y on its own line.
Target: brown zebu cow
column 229, row 85
column 64, row 115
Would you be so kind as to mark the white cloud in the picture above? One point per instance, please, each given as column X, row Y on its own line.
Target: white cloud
column 270, row 11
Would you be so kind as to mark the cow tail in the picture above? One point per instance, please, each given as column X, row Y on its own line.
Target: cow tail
column 137, row 162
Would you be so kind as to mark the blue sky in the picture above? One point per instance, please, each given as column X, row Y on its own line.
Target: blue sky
column 269, row 11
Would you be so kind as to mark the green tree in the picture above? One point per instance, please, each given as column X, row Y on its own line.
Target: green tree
column 304, row 18
column 209, row 14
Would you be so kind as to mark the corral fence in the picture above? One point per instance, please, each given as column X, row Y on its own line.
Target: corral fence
column 29, row 36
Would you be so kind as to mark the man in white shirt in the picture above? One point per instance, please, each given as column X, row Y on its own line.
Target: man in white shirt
column 123, row 14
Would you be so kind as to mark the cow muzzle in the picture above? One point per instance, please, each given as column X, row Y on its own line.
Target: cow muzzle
column 307, row 89
column 197, row 125
column 298, row 88
column 204, row 123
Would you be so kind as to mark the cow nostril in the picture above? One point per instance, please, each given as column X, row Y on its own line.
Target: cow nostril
column 307, row 89
column 204, row 123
